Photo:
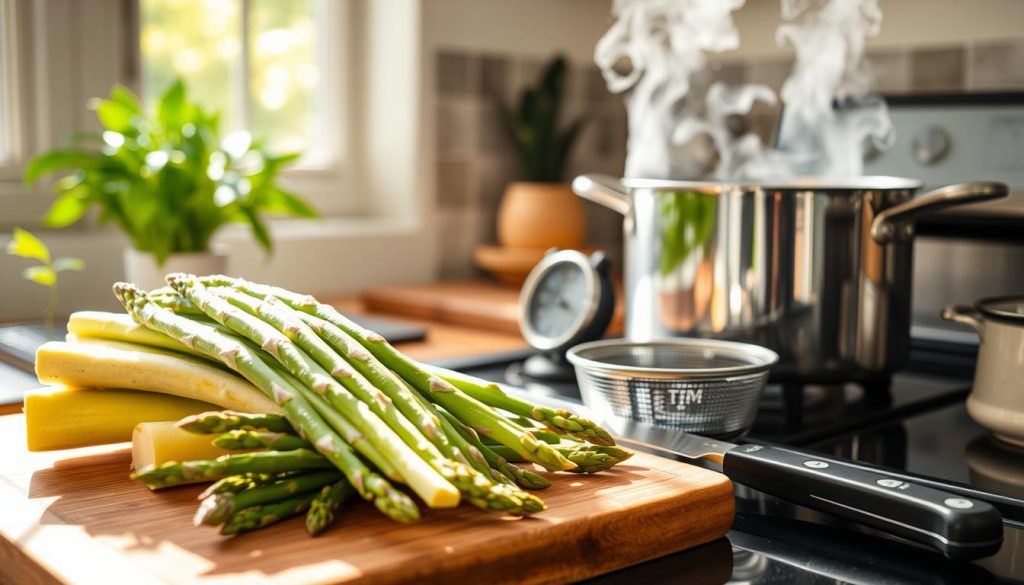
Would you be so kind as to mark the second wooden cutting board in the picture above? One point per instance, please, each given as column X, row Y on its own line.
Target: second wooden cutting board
column 478, row 304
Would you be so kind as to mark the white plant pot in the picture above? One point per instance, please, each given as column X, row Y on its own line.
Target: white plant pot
column 141, row 267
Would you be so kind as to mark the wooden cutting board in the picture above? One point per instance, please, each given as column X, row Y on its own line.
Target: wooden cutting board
column 74, row 516
column 479, row 304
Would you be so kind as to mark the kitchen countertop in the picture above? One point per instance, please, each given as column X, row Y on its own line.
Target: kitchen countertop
column 443, row 341
column 771, row 541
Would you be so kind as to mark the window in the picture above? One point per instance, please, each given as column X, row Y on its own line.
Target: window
column 265, row 64
column 5, row 132
column 278, row 68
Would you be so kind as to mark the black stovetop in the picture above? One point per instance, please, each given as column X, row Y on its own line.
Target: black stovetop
column 917, row 425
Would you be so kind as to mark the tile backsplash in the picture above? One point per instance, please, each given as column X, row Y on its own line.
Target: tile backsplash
column 474, row 160
column 979, row 66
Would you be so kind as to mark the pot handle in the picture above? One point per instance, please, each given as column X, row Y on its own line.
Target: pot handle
column 964, row 315
column 892, row 223
column 604, row 190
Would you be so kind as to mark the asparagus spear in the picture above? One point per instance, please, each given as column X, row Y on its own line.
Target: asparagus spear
column 522, row 477
column 215, row 509
column 346, row 430
column 238, row 357
column 222, row 421
column 588, row 458
column 465, row 450
column 247, row 439
column 471, row 411
column 408, row 401
column 255, row 517
column 420, row 476
column 560, row 421
column 168, row 298
column 545, row 435
column 478, row 489
column 244, row 481
column 325, row 504
column 181, row 472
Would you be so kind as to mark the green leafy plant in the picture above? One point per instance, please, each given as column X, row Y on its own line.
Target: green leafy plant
column 168, row 180
column 26, row 245
column 532, row 126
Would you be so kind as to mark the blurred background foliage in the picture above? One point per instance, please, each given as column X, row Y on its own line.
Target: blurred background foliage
column 270, row 85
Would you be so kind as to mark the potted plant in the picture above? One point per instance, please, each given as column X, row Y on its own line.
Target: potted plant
column 168, row 180
column 539, row 210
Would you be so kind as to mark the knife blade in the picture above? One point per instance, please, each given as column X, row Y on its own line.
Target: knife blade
column 958, row 525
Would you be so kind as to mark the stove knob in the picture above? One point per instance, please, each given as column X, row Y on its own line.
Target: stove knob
column 930, row 145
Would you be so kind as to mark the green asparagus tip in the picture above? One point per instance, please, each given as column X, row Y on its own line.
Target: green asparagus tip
column 214, row 509
column 325, row 504
column 528, row 479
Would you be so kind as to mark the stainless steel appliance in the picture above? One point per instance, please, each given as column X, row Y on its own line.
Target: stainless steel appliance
column 967, row 252
column 819, row 273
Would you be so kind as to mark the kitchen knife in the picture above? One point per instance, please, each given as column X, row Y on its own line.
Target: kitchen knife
column 962, row 528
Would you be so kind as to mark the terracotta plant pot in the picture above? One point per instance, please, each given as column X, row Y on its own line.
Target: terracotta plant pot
column 542, row 216
column 141, row 267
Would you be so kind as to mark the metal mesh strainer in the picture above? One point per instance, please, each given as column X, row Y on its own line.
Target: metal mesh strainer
column 704, row 386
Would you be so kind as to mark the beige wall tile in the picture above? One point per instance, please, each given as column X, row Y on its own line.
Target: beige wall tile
column 939, row 69
column 456, row 73
column 457, row 123
column 890, row 71
column 996, row 65
column 492, row 137
column 770, row 71
column 495, row 78
column 453, row 184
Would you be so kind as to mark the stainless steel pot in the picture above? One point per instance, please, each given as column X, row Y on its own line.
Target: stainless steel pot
column 820, row 273
column 997, row 396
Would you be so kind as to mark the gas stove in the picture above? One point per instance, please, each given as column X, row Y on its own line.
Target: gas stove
column 913, row 422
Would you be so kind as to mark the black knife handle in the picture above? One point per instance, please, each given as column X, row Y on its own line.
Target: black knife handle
column 962, row 528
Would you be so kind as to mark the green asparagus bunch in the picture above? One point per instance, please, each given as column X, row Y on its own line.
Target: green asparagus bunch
column 359, row 416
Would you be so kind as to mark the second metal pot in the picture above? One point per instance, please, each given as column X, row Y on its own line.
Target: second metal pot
column 820, row 273
column 997, row 396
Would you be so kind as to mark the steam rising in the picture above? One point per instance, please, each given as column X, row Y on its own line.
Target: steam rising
column 656, row 49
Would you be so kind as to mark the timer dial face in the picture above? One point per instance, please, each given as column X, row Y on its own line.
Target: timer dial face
column 560, row 301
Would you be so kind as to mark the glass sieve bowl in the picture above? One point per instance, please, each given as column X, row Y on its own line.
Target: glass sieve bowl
column 706, row 386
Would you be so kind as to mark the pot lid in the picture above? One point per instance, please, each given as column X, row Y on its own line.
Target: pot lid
column 1003, row 308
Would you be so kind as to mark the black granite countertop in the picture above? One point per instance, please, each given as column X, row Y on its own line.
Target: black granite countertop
column 921, row 427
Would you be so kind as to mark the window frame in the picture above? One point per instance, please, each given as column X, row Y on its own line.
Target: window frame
column 11, row 67
column 7, row 140
column 36, row 39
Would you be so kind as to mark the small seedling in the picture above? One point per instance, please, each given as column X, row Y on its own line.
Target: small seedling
column 45, row 273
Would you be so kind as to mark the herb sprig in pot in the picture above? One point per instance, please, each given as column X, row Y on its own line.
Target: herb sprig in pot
column 168, row 180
